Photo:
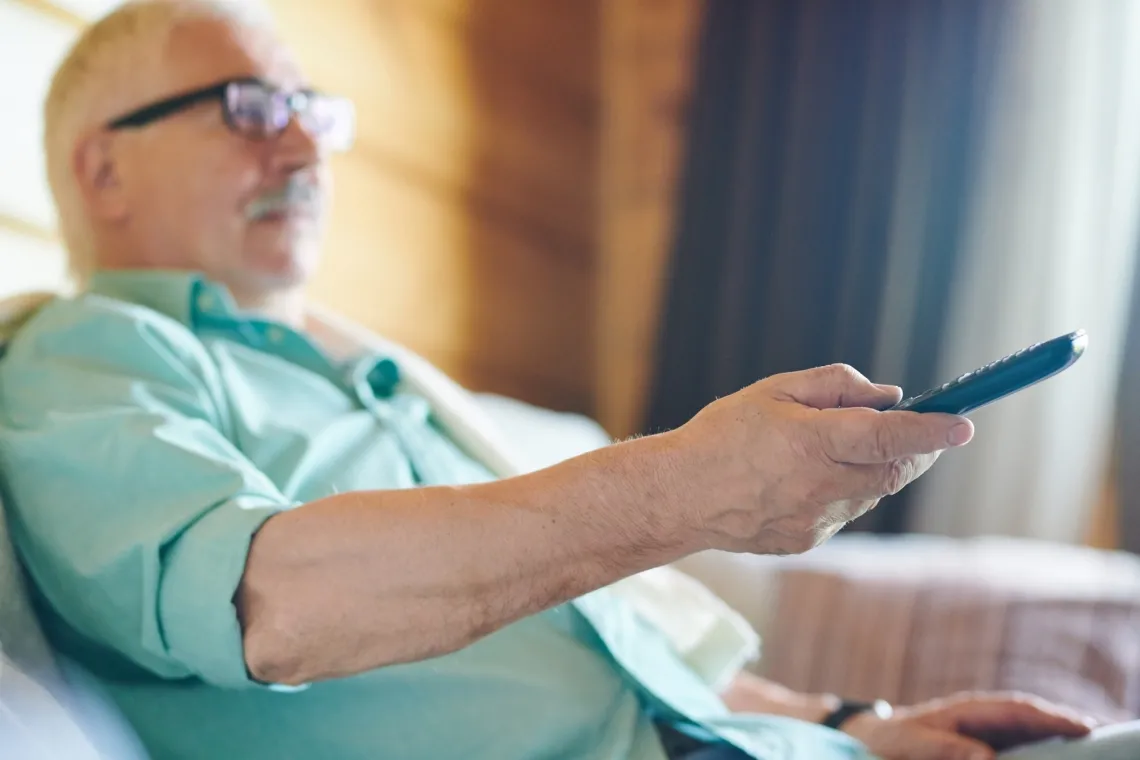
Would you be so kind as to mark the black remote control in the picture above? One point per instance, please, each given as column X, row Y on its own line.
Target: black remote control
column 1001, row 378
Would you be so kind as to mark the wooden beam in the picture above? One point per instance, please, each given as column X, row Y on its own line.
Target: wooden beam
column 19, row 226
column 50, row 9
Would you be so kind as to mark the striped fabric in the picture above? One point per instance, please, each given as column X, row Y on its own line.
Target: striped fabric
column 891, row 630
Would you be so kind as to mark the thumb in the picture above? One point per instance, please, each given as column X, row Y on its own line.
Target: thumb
column 928, row 744
column 837, row 385
column 865, row 437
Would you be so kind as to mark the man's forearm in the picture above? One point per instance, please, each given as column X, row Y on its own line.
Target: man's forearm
column 361, row 580
column 751, row 694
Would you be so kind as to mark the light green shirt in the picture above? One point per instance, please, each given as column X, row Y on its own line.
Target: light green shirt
column 147, row 428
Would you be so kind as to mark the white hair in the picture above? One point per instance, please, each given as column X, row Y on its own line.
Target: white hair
column 98, row 79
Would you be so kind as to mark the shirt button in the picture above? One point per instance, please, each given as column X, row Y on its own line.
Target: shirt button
column 384, row 377
column 275, row 334
column 206, row 302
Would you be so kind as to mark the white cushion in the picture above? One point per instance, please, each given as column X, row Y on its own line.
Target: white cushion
column 48, row 708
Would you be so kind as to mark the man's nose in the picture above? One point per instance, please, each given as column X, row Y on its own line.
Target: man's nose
column 296, row 148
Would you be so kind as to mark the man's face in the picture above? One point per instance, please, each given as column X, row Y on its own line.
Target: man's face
column 198, row 194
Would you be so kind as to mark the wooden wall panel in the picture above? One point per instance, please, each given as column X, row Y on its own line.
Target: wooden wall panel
column 475, row 298
column 465, row 217
column 648, row 52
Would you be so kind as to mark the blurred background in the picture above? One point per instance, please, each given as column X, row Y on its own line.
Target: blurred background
column 627, row 208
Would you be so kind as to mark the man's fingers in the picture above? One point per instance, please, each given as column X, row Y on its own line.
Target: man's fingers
column 927, row 744
column 1008, row 722
column 868, row 437
column 835, row 386
column 874, row 481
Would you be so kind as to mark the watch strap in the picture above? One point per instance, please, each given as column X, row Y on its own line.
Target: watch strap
column 849, row 708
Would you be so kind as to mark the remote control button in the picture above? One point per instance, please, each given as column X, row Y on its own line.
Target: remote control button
column 908, row 403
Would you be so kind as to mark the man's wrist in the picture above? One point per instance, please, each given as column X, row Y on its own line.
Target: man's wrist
column 847, row 710
column 814, row 708
column 826, row 705
column 663, row 491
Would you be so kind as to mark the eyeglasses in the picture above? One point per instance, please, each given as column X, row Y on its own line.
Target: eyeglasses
column 257, row 110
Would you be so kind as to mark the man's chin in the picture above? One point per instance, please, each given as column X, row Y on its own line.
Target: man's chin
column 285, row 272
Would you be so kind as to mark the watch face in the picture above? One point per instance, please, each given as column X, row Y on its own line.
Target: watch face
column 882, row 709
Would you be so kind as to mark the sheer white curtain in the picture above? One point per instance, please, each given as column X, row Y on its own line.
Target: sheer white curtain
column 1050, row 245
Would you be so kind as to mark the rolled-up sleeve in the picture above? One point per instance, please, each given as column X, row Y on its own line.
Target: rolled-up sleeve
column 199, row 578
column 130, row 507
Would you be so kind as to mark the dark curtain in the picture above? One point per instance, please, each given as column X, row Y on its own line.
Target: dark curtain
column 788, row 196
column 1127, row 453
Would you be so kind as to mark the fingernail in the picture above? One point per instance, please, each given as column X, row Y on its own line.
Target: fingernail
column 960, row 434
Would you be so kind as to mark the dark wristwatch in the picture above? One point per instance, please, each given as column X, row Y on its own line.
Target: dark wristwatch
column 850, row 708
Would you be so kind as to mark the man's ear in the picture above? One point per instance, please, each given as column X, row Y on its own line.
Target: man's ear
column 97, row 172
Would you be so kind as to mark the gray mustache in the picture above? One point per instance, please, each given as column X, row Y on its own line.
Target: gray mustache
column 301, row 195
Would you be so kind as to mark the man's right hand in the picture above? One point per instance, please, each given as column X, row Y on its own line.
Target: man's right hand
column 781, row 466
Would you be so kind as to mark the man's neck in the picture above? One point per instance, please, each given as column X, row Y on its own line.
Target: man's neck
column 286, row 306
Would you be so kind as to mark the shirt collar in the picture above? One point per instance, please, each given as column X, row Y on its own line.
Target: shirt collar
column 181, row 295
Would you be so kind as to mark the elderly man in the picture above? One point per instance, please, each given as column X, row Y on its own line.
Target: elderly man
column 262, row 550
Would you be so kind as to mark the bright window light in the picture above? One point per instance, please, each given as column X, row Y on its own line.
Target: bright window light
column 28, row 263
column 31, row 44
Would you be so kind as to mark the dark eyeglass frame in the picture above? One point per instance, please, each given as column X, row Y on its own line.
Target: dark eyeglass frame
column 161, row 109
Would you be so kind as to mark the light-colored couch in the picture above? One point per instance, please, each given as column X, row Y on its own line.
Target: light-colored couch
column 49, row 710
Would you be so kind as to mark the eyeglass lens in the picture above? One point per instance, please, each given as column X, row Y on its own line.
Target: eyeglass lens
column 260, row 112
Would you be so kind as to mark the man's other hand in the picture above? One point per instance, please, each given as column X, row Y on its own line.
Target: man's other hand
column 965, row 727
